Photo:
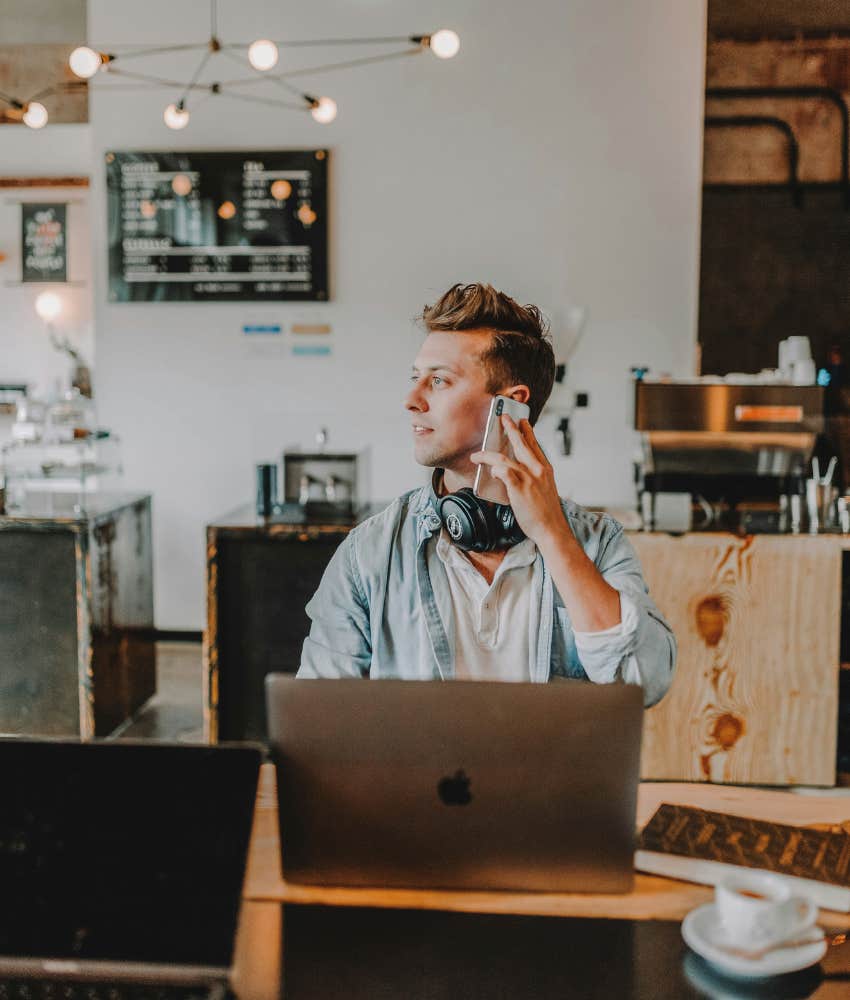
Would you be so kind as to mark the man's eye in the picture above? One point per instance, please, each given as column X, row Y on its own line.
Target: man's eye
column 437, row 380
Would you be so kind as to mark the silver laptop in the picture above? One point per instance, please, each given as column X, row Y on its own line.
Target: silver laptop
column 472, row 785
column 122, row 863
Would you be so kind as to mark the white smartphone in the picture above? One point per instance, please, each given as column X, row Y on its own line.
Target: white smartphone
column 495, row 439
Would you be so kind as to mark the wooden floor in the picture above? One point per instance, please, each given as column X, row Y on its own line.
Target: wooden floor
column 175, row 713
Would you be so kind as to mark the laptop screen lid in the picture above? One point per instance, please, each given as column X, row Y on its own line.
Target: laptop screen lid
column 122, row 858
column 461, row 784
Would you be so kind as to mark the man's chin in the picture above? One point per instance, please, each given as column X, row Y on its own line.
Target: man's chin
column 424, row 453
column 430, row 461
column 433, row 459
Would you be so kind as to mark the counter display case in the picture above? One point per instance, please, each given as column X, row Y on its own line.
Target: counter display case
column 260, row 575
column 77, row 653
column 78, row 469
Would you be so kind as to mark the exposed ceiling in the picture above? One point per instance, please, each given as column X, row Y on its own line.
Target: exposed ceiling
column 30, row 22
column 749, row 19
column 36, row 38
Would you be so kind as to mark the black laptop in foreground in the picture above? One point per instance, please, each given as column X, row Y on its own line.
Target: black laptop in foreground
column 121, row 867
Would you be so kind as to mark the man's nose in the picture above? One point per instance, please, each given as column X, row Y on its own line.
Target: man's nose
column 415, row 400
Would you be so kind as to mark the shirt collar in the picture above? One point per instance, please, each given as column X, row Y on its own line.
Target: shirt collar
column 426, row 506
column 521, row 554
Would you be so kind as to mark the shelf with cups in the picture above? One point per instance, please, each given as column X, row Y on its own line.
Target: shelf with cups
column 84, row 465
column 58, row 449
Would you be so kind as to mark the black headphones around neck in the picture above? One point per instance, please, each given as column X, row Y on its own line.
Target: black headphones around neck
column 477, row 525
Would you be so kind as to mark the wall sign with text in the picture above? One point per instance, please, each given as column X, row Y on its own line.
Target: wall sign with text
column 218, row 226
column 44, row 243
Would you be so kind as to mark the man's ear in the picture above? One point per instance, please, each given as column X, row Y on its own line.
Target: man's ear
column 521, row 393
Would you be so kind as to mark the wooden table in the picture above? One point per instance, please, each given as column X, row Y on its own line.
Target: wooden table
column 653, row 898
column 656, row 903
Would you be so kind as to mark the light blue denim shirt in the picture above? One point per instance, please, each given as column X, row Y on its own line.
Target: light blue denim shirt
column 377, row 610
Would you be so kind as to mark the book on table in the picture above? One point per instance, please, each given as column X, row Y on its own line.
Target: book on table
column 697, row 845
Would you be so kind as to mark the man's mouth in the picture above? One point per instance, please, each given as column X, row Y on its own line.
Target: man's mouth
column 420, row 429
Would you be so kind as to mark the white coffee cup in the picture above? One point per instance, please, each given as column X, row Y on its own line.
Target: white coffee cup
column 759, row 910
column 798, row 349
column 803, row 372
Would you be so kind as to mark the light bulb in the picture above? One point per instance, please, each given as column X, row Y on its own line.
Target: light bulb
column 306, row 215
column 35, row 115
column 262, row 54
column 226, row 210
column 281, row 190
column 48, row 306
column 85, row 62
column 181, row 185
column 176, row 116
column 324, row 110
column 445, row 43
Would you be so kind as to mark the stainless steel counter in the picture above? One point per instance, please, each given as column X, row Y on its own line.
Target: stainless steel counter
column 77, row 655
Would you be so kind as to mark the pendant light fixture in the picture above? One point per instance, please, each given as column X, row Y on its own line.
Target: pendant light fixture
column 262, row 56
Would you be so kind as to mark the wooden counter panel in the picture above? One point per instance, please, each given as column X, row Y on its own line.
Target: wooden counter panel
column 755, row 696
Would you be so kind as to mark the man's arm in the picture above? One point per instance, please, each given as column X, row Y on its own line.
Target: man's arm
column 339, row 643
column 593, row 604
column 641, row 649
column 620, row 634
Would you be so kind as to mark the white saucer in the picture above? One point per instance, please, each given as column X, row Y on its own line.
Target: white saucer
column 703, row 932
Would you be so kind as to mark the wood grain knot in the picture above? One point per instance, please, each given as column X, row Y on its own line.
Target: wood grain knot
column 711, row 618
column 727, row 730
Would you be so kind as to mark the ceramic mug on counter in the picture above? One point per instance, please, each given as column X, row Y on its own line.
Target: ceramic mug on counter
column 820, row 505
column 843, row 512
column 759, row 910
column 795, row 360
column 803, row 372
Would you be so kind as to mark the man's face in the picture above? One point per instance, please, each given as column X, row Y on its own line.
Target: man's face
column 448, row 400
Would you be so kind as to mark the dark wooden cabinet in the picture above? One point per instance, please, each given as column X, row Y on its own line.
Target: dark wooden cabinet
column 77, row 656
column 260, row 576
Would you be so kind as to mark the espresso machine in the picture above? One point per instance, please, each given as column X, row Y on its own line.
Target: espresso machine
column 724, row 456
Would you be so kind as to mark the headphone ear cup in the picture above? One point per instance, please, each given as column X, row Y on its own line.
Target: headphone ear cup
column 466, row 520
column 507, row 527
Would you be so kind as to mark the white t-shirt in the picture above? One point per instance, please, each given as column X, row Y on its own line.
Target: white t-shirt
column 494, row 635
column 493, row 627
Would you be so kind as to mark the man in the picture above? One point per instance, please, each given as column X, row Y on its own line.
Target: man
column 400, row 599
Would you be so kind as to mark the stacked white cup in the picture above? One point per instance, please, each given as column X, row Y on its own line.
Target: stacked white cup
column 795, row 361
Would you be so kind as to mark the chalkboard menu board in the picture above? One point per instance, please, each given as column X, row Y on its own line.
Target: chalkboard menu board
column 218, row 226
column 44, row 246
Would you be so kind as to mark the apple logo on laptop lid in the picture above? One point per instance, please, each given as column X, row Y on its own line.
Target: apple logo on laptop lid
column 454, row 789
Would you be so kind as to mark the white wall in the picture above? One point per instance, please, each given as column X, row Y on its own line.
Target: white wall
column 26, row 354
column 25, row 351
column 558, row 157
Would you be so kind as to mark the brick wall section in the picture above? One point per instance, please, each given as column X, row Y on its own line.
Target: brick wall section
column 758, row 155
